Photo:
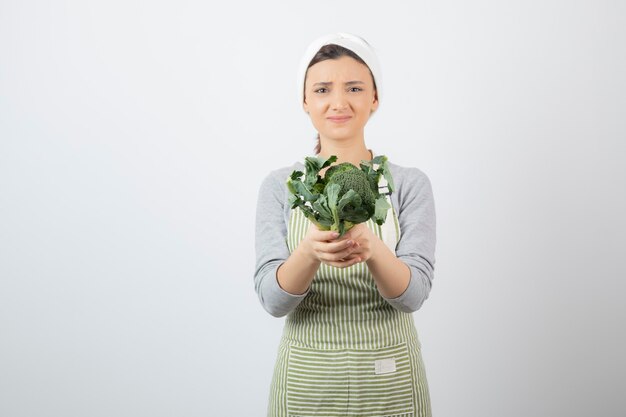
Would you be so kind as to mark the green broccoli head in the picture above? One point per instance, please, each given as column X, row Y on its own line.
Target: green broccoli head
column 342, row 167
column 349, row 177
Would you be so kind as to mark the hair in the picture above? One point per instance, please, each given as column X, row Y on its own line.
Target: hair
column 333, row 51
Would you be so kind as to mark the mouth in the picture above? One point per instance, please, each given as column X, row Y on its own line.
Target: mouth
column 339, row 119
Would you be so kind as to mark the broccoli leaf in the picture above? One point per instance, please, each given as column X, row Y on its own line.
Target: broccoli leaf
column 350, row 208
column 356, row 215
column 318, row 187
column 372, row 175
column 313, row 165
column 322, row 207
column 352, row 198
column 380, row 212
column 379, row 159
column 298, row 188
column 294, row 201
column 295, row 175
column 332, row 192
column 384, row 169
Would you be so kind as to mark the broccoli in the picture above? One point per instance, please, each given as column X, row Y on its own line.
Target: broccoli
column 349, row 178
column 345, row 196
column 333, row 169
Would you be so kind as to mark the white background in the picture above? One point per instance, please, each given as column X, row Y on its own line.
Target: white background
column 134, row 136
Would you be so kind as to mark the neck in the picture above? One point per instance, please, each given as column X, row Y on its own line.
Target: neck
column 353, row 151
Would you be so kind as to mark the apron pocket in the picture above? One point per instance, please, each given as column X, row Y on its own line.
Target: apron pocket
column 339, row 382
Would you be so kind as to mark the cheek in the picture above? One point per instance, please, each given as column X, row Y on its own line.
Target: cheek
column 317, row 105
column 318, row 112
column 366, row 110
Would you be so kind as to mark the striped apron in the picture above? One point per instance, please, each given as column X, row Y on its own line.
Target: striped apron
column 345, row 351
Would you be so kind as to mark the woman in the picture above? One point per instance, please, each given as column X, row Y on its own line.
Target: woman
column 349, row 345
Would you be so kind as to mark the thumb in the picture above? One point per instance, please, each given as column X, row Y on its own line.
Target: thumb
column 322, row 235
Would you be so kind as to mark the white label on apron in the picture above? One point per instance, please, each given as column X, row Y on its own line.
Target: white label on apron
column 385, row 366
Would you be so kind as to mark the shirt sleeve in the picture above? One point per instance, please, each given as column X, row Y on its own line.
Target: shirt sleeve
column 416, row 247
column 271, row 247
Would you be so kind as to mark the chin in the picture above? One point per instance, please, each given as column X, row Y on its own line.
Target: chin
column 339, row 133
column 336, row 137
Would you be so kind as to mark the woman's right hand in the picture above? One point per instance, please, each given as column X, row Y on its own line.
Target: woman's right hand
column 324, row 246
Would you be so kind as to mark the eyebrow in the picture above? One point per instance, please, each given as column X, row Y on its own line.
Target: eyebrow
column 323, row 83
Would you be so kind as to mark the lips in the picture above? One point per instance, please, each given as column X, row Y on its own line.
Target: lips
column 339, row 119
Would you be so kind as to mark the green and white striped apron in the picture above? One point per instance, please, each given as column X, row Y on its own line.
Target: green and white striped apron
column 345, row 351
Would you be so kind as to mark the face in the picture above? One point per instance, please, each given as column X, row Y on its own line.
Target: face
column 337, row 88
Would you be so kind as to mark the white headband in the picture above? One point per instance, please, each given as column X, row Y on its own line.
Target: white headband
column 354, row 43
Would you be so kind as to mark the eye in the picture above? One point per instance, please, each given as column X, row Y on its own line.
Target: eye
column 319, row 89
column 356, row 88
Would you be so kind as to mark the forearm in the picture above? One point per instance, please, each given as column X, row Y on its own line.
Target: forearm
column 296, row 273
column 392, row 276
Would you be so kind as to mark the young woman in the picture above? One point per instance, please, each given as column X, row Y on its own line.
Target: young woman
column 349, row 346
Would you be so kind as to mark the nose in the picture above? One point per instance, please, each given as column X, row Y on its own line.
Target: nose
column 339, row 100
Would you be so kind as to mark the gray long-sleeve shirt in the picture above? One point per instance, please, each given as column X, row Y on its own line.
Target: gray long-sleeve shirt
column 414, row 204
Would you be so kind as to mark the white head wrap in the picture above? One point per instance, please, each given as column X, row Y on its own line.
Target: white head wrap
column 354, row 43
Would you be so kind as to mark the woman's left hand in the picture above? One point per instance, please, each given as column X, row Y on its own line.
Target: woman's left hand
column 364, row 240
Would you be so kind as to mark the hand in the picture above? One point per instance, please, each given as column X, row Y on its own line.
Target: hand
column 326, row 248
column 365, row 241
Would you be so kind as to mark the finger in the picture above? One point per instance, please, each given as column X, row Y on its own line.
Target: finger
column 336, row 246
column 322, row 235
column 336, row 256
column 344, row 264
column 356, row 231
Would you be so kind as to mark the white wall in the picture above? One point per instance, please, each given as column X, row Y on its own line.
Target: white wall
column 133, row 139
